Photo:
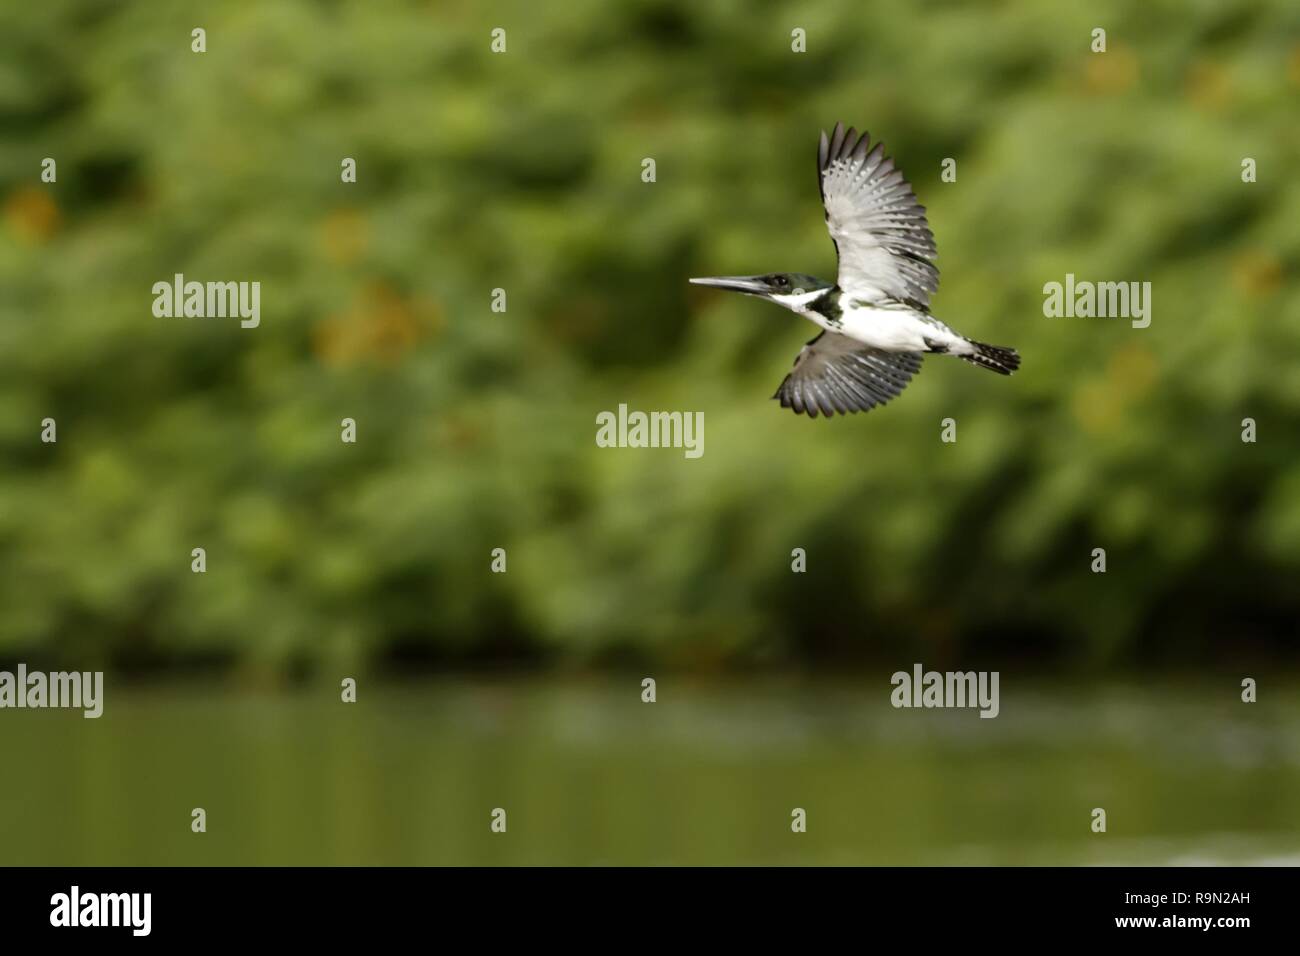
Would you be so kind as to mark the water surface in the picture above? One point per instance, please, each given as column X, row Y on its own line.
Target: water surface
column 709, row 774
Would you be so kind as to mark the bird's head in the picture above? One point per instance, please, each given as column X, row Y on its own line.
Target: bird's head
column 794, row 290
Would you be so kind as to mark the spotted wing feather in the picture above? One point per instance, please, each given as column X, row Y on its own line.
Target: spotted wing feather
column 879, row 229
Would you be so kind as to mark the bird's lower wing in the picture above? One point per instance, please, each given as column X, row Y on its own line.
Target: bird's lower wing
column 834, row 373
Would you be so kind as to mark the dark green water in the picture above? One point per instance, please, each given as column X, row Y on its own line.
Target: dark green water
column 709, row 774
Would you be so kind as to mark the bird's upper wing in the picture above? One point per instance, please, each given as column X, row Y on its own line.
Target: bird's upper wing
column 880, row 233
column 834, row 373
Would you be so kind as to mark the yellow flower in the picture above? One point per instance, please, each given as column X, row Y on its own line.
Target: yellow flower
column 32, row 213
column 1209, row 86
column 381, row 325
column 1256, row 274
column 1111, row 72
column 344, row 236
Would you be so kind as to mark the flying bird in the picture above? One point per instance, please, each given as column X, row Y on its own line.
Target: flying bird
column 876, row 317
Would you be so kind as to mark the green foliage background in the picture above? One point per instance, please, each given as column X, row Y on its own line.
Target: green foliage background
column 476, row 430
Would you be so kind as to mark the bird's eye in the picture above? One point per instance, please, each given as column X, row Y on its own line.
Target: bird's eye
column 780, row 281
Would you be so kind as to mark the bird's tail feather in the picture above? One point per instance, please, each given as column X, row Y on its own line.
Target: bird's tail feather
column 1004, row 361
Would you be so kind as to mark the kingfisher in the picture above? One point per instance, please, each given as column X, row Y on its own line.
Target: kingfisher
column 875, row 318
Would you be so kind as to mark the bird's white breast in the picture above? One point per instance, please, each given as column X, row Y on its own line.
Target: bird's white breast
column 891, row 328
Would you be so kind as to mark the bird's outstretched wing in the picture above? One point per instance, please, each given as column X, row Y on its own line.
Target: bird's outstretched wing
column 880, row 233
column 834, row 373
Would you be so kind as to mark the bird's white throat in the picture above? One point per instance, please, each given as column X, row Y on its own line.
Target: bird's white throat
column 798, row 300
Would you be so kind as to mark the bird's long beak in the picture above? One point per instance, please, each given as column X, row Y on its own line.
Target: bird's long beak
column 749, row 284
